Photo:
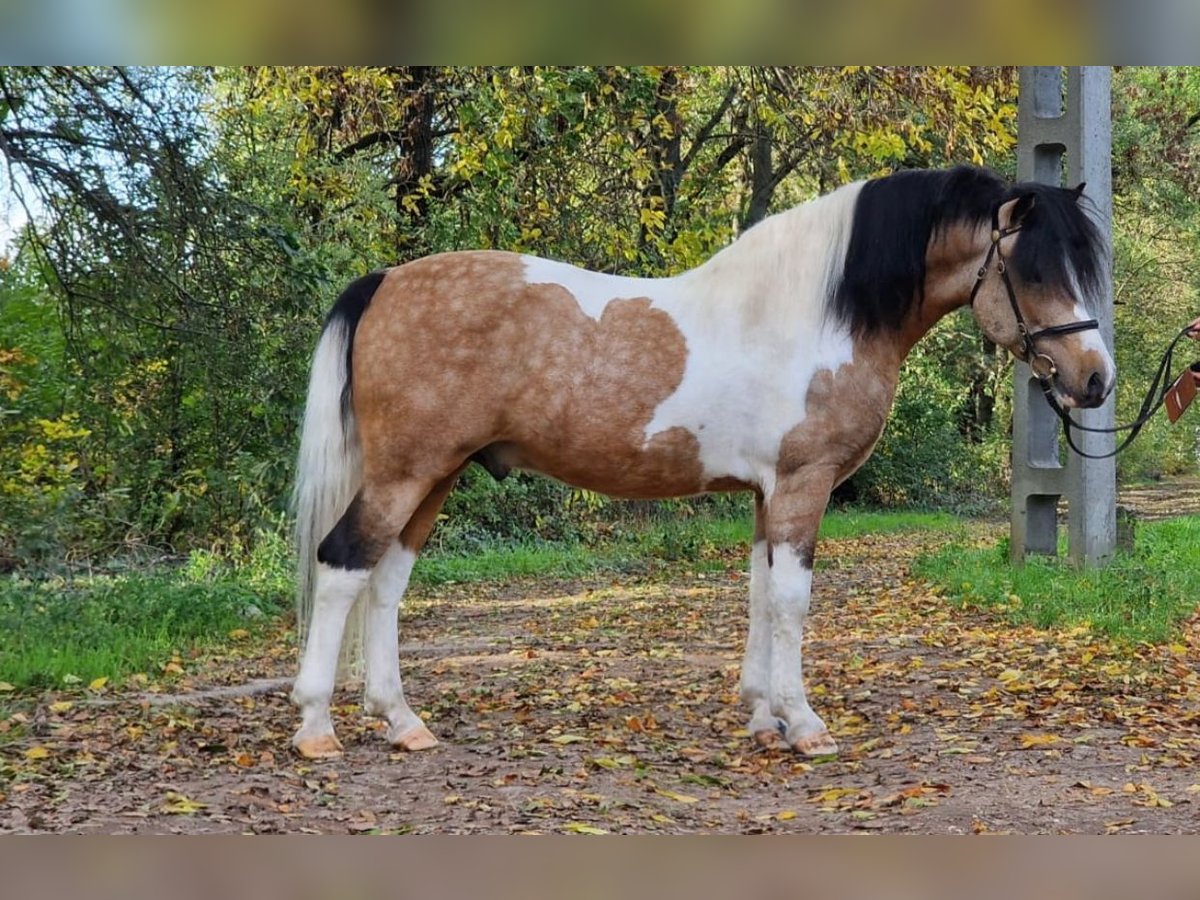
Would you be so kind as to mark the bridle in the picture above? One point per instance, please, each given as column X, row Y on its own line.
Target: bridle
column 1155, row 395
column 1028, row 346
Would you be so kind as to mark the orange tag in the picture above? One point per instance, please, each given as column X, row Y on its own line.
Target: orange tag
column 1182, row 392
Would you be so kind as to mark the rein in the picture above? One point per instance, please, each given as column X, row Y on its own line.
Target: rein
column 1156, row 394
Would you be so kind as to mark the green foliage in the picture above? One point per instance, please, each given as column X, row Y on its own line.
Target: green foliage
column 1156, row 174
column 122, row 623
column 1141, row 595
column 702, row 541
column 192, row 226
column 937, row 450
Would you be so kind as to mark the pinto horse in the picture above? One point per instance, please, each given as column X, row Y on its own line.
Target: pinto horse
column 770, row 368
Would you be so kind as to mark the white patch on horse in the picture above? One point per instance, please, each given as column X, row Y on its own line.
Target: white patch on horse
column 1094, row 340
column 757, row 331
column 788, row 595
column 336, row 591
column 593, row 291
column 756, row 666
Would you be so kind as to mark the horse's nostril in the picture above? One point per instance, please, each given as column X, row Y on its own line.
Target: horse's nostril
column 1095, row 388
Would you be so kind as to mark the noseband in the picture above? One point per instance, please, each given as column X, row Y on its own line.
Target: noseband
column 1032, row 355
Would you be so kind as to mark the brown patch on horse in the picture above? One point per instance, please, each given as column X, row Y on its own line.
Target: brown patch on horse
column 845, row 413
column 457, row 353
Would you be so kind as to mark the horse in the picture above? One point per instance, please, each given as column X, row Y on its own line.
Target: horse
column 770, row 368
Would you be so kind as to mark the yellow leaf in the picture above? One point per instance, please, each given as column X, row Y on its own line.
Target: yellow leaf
column 61, row 706
column 37, row 753
column 1029, row 741
column 786, row 814
column 239, row 634
column 5, row 687
column 583, row 828
column 179, row 805
column 97, row 684
column 679, row 798
column 567, row 739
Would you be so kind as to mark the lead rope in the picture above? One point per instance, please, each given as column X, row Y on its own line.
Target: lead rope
column 1156, row 396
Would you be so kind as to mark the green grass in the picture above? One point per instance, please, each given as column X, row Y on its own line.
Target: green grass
column 699, row 541
column 55, row 631
column 1140, row 596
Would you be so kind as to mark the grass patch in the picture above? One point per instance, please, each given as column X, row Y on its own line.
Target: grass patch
column 121, row 623
column 1139, row 596
column 851, row 523
column 703, row 542
column 57, row 630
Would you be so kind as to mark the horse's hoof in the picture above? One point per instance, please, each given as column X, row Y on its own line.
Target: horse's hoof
column 419, row 738
column 820, row 744
column 323, row 746
column 770, row 738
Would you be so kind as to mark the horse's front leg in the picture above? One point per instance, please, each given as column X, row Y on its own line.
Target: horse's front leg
column 781, row 588
column 766, row 729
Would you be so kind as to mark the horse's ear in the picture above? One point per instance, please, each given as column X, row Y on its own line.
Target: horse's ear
column 1078, row 190
column 1012, row 214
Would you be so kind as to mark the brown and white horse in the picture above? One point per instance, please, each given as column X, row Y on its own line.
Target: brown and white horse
column 771, row 368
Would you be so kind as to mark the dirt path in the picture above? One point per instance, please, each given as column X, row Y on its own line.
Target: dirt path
column 612, row 706
column 1163, row 499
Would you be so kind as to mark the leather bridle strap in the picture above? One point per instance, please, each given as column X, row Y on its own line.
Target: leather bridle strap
column 1155, row 395
column 1028, row 346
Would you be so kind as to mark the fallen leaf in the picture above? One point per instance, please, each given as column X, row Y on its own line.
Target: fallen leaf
column 179, row 805
column 582, row 828
column 1031, row 741
column 677, row 797
column 97, row 684
column 37, row 753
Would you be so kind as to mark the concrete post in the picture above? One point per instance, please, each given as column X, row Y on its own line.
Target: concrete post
column 1072, row 128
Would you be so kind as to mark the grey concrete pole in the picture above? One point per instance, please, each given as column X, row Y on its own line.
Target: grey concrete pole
column 1069, row 130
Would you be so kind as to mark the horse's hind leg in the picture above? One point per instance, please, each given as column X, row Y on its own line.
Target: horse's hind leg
column 384, row 692
column 346, row 557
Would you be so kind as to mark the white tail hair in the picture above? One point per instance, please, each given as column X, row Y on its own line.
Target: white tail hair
column 328, row 474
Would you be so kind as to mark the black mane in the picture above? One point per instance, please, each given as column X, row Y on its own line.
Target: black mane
column 895, row 218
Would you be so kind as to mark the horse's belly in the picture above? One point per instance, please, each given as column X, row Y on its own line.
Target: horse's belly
column 666, row 465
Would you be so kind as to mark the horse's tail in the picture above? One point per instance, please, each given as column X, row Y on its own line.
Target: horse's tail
column 329, row 468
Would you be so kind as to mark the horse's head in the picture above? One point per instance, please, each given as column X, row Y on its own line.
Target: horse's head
column 1041, row 265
